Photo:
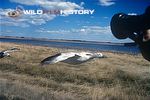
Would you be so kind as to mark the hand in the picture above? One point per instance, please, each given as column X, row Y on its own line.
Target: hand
column 146, row 35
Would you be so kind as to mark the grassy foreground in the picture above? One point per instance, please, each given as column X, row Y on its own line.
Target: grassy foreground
column 118, row 77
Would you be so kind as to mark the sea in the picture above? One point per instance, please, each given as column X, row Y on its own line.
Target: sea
column 88, row 45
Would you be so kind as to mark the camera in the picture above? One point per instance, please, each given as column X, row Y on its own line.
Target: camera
column 135, row 27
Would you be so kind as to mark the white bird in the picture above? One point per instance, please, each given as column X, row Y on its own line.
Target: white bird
column 72, row 57
column 5, row 53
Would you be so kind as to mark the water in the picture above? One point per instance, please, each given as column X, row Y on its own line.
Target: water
column 76, row 45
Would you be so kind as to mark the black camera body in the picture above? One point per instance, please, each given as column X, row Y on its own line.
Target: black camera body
column 133, row 26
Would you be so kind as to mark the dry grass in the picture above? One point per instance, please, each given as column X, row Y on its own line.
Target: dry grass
column 118, row 77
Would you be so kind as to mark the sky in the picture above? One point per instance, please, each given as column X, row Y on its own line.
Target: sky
column 89, row 27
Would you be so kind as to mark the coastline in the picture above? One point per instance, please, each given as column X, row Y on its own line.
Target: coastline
column 63, row 40
column 74, row 44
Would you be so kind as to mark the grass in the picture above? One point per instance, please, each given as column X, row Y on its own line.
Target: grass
column 118, row 77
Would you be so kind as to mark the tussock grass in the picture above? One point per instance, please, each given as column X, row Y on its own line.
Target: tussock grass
column 118, row 77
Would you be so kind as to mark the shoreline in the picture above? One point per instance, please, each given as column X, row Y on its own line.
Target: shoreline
column 82, row 49
column 63, row 40
column 72, row 44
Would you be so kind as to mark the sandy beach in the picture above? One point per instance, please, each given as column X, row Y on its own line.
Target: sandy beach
column 119, row 77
